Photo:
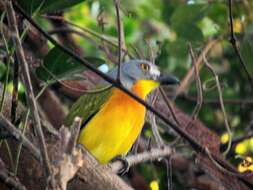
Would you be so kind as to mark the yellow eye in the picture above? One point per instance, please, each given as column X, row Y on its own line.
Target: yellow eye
column 145, row 67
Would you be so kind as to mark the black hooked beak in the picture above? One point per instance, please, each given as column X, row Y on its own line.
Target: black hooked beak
column 168, row 80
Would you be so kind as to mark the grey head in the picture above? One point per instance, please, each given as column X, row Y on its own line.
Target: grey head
column 136, row 69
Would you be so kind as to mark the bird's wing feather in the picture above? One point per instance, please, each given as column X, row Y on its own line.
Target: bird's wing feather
column 87, row 105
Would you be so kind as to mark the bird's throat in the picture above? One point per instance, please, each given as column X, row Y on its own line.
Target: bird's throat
column 143, row 87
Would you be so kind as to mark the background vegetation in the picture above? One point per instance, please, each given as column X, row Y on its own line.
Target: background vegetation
column 158, row 30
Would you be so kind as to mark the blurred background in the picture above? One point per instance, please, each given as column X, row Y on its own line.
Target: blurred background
column 160, row 31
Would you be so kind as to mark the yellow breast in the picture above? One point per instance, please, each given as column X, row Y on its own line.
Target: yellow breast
column 114, row 129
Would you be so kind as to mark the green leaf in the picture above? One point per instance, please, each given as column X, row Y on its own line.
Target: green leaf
column 189, row 32
column 188, row 14
column 218, row 12
column 184, row 21
column 45, row 6
column 168, row 9
column 172, row 49
column 59, row 65
column 55, row 5
column 178, row 48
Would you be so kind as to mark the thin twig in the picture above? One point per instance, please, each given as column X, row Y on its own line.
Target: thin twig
column 27, row 81
column 104, row 46
column 185, row 83
column 75, row 128
column 10, row 181
column 169, row 171
column 5, row 83
column 221, row 104
column 234, row 44
column 152, row 155
column 14, row 100
column 198, row 84
column 169, row 105
column 19, row 136
column 150, row 52
column 102, row 89
column 102, row 37
column 120, row 39
column 137, row 52
column 159, row 141
column 70, row 30
column 20, row 145
column 10, row 154
column 225, row 170
column 8, row 62
column 242, row 102
column 155, row 131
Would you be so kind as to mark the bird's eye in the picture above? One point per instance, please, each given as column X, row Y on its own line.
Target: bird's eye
column 145, row 67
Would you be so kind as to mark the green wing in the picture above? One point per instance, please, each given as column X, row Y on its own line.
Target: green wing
column 86, row 105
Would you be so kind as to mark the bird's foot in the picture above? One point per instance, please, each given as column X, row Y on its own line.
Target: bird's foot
column 125, row 164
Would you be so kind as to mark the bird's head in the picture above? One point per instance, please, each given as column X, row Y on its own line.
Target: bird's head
column 143, row 74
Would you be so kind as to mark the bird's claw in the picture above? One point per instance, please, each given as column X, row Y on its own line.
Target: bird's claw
column 125, row 163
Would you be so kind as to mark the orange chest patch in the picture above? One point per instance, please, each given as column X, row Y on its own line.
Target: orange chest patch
column 113, row 130
column 127, row 103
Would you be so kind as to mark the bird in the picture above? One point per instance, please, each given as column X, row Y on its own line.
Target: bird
column 112, row 120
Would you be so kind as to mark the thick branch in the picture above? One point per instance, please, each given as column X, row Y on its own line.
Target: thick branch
column 66, row 160
column 94, row 176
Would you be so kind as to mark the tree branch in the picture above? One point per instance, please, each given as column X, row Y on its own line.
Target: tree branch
column 152, row 119
column 13, row 131
column 67, row 159
column 236, row 49
column 185, row 83
column 27, row 81
column 9, row 180
column 152, row 155
column 120, row 38
column 198, row 85
column 227, row 126
column 240, row 102
column 14, row 101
